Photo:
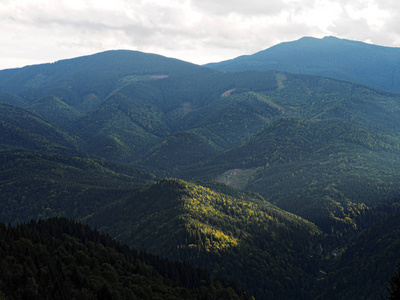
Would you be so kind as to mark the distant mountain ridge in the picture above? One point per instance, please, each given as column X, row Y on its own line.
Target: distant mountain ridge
column 93, row 138
column 84, row 82
column 368, row 64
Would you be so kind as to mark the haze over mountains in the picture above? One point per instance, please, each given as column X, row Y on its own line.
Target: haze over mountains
column 282, row 167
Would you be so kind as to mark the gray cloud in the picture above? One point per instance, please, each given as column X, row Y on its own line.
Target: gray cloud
column 249, row 7
column 348, row 26
column 198, row 31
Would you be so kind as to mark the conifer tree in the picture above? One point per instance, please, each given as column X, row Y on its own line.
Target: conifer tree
column 394, row 282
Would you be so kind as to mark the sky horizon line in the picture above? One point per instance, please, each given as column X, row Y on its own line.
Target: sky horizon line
column 211, row 62
column 200, row 32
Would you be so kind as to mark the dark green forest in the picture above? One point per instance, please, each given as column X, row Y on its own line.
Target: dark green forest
column 244, row 239
column 62, row 259
column 276, row 185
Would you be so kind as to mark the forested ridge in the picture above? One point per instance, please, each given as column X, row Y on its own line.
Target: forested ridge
column 281, row 183
column 62, row 259
column 348, row 60
column 324, row 161
column 245, row 239
column 37, row 185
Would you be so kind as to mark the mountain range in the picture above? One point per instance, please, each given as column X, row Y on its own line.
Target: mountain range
column 354, row 61
column 277, row 171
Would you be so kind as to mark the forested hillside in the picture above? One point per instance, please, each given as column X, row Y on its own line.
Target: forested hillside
column 371, row 65
column 62, row 259
column 38, row 185
column 275, row 181
column 316, row 169
column 273, row 254
column 23, row 130
column 373, row 252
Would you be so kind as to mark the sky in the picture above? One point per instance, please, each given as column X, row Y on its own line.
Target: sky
column 197, row 31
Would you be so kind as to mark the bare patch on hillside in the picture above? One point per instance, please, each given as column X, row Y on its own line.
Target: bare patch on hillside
column 271, row 103
column 227, row 93
column 186, row 108
column 280, row 78
column 158, row 76
column 237, row 178
column 132, row 78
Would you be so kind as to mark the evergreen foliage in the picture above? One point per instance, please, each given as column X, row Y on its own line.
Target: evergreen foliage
column 24, row 130
column 35, row 185
column 54, row 111
column 316, row 169
column 73, row 133
column 122, row 129
column 361, row 271
column 62, row 259
column 394, row 281
column 269, row 251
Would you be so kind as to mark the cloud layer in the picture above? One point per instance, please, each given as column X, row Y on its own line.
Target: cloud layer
column 197, row 31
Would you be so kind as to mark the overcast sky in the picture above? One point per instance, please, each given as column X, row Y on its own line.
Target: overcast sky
column 198, row 31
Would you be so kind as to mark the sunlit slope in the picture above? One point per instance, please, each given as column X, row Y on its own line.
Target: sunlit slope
column 326, row 171
column 245, row 239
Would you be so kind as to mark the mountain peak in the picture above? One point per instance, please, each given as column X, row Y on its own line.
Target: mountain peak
column 355, row 61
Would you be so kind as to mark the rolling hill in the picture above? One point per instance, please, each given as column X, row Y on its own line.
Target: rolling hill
column 37, row 185
column 54, row 111
column 244, row 239
column 316, row 159
column 176, row 119
column 85, row 82
column 317, row 169
column 121, row 129
column 23, row 130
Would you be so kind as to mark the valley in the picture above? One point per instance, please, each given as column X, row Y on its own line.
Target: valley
column 278, row 184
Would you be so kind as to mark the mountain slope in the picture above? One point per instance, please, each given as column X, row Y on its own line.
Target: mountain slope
column 85, row 82
column 238, row 114
column 314, row 97
column 60, row 259
column 245, row 239
column 325, row 149
column 12, row 99
column 325, row 171
column 22, row 129
column 121, row 129
column 363, row 269
column 234, row 117
column 371, row 65
column 54, row 111
column 37, row 185
column 180, row 150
